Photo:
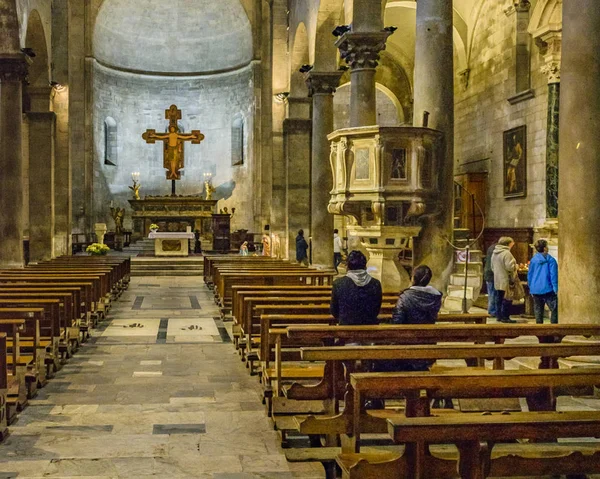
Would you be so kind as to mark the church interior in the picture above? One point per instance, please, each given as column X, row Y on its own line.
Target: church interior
column 182, row 183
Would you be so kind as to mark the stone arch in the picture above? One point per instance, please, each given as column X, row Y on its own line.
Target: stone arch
column 389, row 110
column 460, row 28
column 331, row 14
column 546, row 17
column 110, row 142
column 299, row 57
column 37, row 92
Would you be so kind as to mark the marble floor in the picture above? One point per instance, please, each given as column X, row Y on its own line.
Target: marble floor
column 158, row 391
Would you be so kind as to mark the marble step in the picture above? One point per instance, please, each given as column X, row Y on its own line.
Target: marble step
column 163, row 266
column 454, row 305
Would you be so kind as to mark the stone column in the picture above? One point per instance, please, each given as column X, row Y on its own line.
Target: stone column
column 552, row 44
column 579, row 181
column 434, row 93
column 13, row 70
column 321, row 87
column 361, row 52
column 296, row 145
column 41, row 185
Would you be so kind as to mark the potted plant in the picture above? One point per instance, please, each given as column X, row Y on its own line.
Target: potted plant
column 97, row 249
column 153, row 227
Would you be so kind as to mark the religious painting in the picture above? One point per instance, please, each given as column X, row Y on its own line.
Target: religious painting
column 515, row 162
column 398, row 164
column 361, row 157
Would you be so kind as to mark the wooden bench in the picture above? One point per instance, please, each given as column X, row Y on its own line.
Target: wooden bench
column 476, row 435
column 268, row 278
column 539, row 387
column 16, row 368
column 3, row 388
column 211, row 261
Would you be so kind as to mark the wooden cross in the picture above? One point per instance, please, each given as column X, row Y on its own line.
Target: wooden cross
column 173, row 143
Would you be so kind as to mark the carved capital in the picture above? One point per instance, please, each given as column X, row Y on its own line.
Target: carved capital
column 14, row 67
column 361, row 50
column 522, row 5
column 552, row 70
column 322, row 82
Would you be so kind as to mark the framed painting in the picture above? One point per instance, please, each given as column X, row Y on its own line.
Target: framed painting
column 515, row 162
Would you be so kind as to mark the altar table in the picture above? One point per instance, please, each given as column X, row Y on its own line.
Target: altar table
column 171, row 244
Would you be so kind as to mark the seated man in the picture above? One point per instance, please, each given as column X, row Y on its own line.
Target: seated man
column 356, row 298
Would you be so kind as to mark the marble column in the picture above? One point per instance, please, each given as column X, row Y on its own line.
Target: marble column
column 551, row 68
column 434, row 93
column 41, row 185
column 13, row 71
column 321, row 87
column 579, row 181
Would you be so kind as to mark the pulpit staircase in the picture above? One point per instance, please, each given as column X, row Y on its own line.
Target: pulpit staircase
column 456, row 290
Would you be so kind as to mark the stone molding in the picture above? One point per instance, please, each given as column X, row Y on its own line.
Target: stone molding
column 361, row 50
column 14, row 67
column 322, row 83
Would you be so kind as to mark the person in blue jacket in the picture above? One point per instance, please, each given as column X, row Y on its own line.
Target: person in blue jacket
column 543, row 282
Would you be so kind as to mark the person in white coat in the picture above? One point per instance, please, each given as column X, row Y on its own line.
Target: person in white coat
column 337, row 250
column 504, row 266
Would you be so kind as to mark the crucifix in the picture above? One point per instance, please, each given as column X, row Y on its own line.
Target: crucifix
column 173, row 141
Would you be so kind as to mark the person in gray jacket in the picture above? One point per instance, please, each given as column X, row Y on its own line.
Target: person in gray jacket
column 504, row 266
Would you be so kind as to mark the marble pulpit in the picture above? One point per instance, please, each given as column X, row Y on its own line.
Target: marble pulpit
column 171, row 244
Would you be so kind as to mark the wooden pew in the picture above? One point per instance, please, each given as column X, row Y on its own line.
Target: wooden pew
column 475, row 437
column 3, row 387
column 16, row 368
column 297, row 278
column 273, row 330
column 97, row 295
column 211, row 261
column 239, row 293
column 539, row 387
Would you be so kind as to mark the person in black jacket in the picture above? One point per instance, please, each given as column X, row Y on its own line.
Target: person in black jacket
column 419, row 304
column 356, row 298
column 301, row 248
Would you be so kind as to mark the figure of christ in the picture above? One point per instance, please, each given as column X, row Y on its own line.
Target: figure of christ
column 173, row 151
column 512, row 164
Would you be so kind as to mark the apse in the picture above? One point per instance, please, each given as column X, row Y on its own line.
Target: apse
column 196, row 55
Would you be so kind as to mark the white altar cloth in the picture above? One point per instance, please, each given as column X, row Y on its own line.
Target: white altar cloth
column 171, row 244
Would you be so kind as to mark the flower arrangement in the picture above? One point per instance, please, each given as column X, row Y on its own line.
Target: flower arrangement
column 154, row 227
column 97, row 249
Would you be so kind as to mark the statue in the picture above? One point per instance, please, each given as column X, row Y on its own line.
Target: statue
column 210, row 189
column 117, row 215
column 244, row 249
column 266, row 241
column 173, row 140
column 136, row 190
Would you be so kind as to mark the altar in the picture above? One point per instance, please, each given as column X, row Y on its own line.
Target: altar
column 171, row 244
column 173, row 214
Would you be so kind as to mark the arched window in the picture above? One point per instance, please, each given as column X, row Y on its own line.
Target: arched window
column 237, row 141
column 110, row 142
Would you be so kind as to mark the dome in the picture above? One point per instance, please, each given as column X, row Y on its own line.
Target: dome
column 176, row 36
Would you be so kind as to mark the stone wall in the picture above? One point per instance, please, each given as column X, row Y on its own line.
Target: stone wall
column 483, row 113
column 208, row 103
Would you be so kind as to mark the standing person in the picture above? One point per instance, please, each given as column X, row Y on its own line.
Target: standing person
column 356, row 298
column 337, row 250
column 266, row 242
column 419, row 304
column 301, row 248
column 504, row 266
column 543, row 282
column 488, row 276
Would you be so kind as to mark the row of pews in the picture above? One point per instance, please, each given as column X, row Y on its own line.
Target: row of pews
column 317, row 385
column 46, row 312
